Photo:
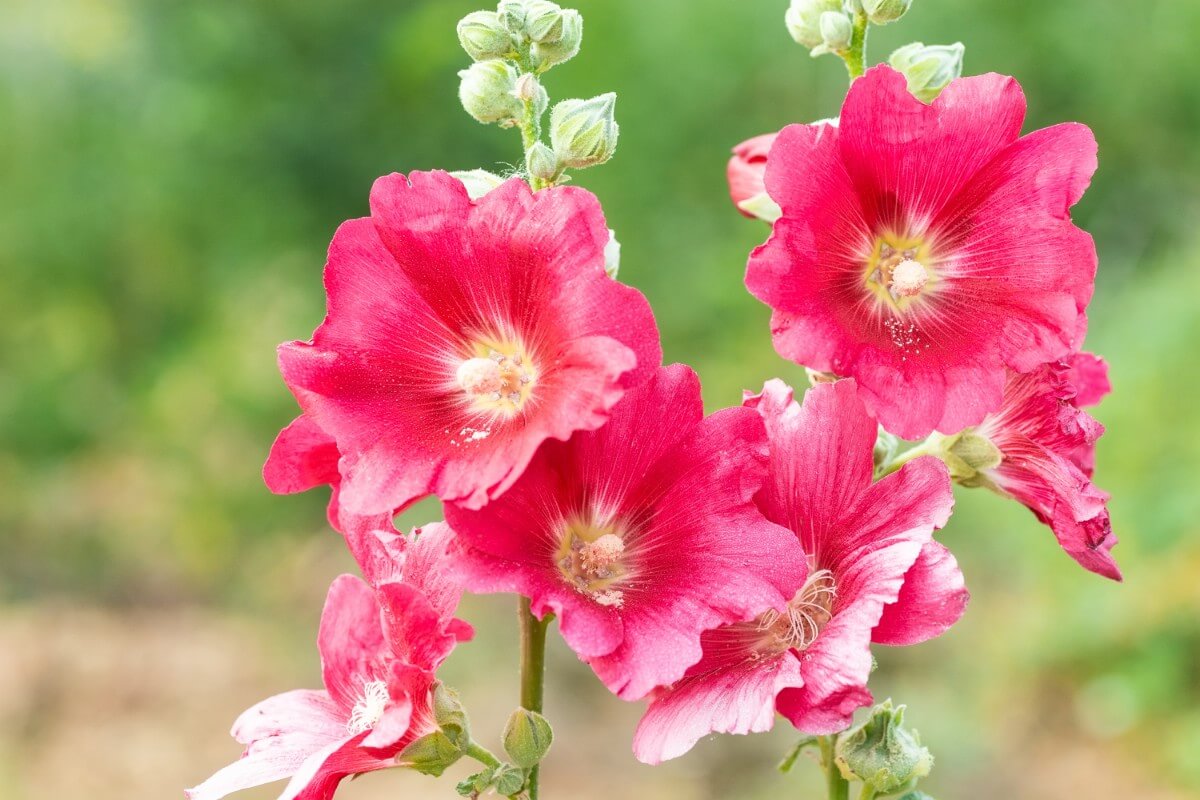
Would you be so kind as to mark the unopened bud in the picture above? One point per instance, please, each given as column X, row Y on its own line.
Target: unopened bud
column 548, row 53
column 542, row 163
column 483, row 36
column 969, row 457
column 883, row 754
column 450, row 716
column 803, row 20
column 512, row 14
column 836, row 31
column 527, row 737
column 928, row 69
column 881, row 12
column 544, row 21
column 487, row 92
column 530, row 90
column 432, row 754
column 612, row 255
column 584, row 132
column 478, row 181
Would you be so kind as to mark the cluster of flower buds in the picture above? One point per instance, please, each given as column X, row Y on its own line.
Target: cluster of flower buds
column 512, row 46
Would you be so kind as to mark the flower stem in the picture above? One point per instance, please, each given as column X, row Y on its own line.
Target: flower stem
column 868, row 792
column 929, row 447
column 533, row 669
column 838, row 787
column 855, row 56
column 482, row 755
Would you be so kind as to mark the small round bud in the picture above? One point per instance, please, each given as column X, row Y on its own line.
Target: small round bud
column 837, row 29
column 883, row 754
column 530, row 89
column 969, row 457
column 612, row 255
column 584, row 132
column 487, row 92
column 478, row 181
column 527, row 737
column 928, row 69
column 803, row 20
column 483, row 36
column 542, row 163
column 544, row 21
column 546, row 54
column 881, row 12
column 512, row 14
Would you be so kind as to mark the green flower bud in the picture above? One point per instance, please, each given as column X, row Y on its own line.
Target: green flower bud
column 544, row 21
column 530, row 89
column 881, row 12
column 546, row 54
column 513, row 15
column 612, row 255
column 837, row 29
column 969, row 457
column 584, row 132
column 432, row 754
column 803, row 20
column 487, row 92
column 930, row 69
column 527, row 737
column 450, row 716
column 478, row 181
column 883, row 754
column 542, row 163
column 483, row 36
column 509, row 780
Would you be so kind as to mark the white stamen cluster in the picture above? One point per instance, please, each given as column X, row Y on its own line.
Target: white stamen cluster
column 908, row 278
column 369, row 708
column 806, row 614
column 498, row 378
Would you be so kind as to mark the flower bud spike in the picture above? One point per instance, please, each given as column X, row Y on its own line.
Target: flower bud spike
column 484, row 37
column 928, row 69
column 584, row 132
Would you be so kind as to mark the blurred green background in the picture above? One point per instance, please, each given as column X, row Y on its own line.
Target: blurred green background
column 172, row 173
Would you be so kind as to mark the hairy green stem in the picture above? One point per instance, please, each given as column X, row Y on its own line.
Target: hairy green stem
column 533, row 669
column 856, row 55
column 837, row 786
column 928, row 447
column 868, row 792
column 482, row 755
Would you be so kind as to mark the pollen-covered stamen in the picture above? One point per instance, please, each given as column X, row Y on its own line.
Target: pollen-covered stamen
column 908, row 278
column 369, row 707
column 590, row 558
column 806, row 615
column 497, row 377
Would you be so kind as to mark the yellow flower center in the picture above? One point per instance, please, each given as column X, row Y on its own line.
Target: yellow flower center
column 589, row 557
column 897, row 271
column 497, row 376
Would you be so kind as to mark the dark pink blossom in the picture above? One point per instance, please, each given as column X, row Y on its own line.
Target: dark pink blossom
column 639, row 536
column 874, row 573
column 924, row 249
column 461, row 334
column 1047, row 447
column 746, row 169
column 379, row 651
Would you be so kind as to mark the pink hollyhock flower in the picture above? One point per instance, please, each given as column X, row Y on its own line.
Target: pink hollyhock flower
column 379, row 651
column 460, row 335
column 874, row 574
column 1042, row 453
column 640, row 535
column 922, row 249
column 747, row 168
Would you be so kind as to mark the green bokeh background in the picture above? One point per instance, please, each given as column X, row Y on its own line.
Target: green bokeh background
column 172, row 173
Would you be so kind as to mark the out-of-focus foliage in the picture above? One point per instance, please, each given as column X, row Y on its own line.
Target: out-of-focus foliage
column 172, row 173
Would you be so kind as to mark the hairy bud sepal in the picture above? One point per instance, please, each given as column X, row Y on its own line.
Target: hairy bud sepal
column 881, row 12
column 584, row 132
column 882, row 753
column 969, row 456
column 488, row 92
column 548, row 52
column 837, row 31
column 432, row 754
column 527, row 737
column 451, row 716
column 928, row 68
column 483, row 35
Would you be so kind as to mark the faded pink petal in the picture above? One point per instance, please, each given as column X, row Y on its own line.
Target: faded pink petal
column 746, row 169
column 351, row 640
column 433, row 280
column 950, row 186
column 673, row 491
